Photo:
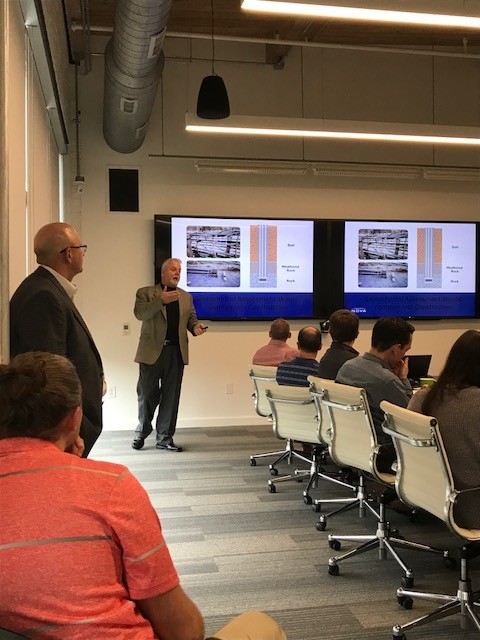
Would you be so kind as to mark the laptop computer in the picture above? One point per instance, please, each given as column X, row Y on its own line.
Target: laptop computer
column 418, row 367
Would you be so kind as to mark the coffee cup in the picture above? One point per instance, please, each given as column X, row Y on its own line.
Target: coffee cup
column 426, row 382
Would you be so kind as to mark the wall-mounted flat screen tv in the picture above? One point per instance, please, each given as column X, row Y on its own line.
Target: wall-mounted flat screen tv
column 264, row 268
column 410, row 269
column 246, row 268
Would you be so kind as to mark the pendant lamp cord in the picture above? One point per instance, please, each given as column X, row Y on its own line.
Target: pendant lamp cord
column 213, row 41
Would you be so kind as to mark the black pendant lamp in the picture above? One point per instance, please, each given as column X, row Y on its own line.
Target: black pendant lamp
column 212, row 103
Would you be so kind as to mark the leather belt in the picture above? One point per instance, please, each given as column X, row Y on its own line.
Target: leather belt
column 168, row 342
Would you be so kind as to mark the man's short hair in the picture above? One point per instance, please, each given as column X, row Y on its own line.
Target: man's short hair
column 309, row 339
column 280, row 329
column 344, row 325
column 389, row 331
column 166, row 262
column 37, row 391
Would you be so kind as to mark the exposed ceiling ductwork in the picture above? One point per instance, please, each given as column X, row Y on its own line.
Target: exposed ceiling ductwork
column 134, row 63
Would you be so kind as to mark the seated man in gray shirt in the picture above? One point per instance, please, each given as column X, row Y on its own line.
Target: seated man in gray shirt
column 383, row 373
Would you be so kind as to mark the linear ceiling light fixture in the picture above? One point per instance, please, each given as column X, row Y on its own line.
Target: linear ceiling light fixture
column 274, row 168
column 336, row 129
column 458, row 174
column 342, row 170
column 335, row 169
column 342, row 12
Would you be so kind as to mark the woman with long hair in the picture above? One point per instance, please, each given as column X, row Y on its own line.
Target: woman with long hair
column 454, row 400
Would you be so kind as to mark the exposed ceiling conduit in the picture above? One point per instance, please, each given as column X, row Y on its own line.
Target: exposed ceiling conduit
column 434, row 53
column 133, row 66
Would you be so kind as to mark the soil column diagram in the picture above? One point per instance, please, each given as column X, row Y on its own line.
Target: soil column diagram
column 263, row 255
column 429, row 257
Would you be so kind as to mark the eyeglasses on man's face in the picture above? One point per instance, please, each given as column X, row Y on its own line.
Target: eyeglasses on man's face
column 75, row 246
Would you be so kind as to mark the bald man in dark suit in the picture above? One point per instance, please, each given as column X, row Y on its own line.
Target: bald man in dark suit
column 43, row 317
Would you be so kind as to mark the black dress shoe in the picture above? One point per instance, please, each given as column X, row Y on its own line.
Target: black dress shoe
column 169, row 447
column 138, row 443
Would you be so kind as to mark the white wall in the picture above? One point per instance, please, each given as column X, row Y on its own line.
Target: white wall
column 336, row 84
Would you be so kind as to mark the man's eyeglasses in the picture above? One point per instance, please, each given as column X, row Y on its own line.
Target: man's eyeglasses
column 75, row 246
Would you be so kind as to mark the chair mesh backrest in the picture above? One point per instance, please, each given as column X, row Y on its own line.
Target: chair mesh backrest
column 353, row 437
column 424, row 478
column 262, row 377
column 325, row 429
column 294, row 414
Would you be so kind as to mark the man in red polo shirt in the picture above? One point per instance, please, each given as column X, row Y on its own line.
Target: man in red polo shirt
column 277, row 350
column 82, row 555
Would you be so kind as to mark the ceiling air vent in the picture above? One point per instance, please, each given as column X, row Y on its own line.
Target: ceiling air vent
column 127, row 105
column 156, row 44
column 140, row 132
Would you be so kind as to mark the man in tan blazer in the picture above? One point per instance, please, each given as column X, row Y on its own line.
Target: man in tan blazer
column 167, row 313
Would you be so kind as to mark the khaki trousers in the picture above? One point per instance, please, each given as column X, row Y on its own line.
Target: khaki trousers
column 251, row 625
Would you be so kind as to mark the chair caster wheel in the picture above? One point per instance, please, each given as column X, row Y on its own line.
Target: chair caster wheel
column 405, row 601
column 333, row 571
column 407, row 582
column 336, row 545
column 316, row 507
column 321, row 525
column 307, row 499
column 272, row 488
column 450, row 563
column 273, row 471
column 253, row 462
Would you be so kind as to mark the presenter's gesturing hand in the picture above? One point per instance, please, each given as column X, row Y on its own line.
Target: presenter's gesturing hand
column 199, row 328
column 169, row 296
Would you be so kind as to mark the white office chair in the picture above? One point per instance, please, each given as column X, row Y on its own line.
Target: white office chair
column 294, row 420
column 325, row 434
column 348, row 416
column 354, row 443
column 424, row 479
column 261, row 378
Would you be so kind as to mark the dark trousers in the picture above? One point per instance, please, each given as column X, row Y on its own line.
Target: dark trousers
column 159, row 386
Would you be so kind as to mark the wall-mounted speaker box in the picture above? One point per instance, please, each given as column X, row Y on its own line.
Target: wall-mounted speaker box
column 123, row 190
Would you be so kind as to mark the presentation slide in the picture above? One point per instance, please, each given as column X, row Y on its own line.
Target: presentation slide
column 246, row 268
column 411, row 269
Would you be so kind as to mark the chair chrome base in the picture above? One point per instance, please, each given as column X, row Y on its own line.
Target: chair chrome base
column 464, row 602
column 314, row 473
column 253, row 459
column 279, row 454
column 384, row 539
column 360, row 501
column 288, row 454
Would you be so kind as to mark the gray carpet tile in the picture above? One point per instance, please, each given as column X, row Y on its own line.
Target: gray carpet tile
column 238, row 547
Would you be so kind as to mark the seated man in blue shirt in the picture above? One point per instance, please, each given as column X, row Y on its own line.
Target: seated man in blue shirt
column 295, row 372
column 383, row 373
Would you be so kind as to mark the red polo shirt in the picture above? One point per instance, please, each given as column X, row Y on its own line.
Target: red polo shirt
column 79, row 541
